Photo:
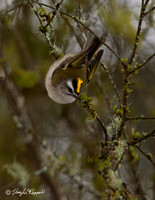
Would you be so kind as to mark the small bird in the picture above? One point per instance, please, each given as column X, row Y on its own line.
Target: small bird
column 70, row 75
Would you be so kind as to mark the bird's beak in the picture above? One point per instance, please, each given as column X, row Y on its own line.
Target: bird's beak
column 75, row 96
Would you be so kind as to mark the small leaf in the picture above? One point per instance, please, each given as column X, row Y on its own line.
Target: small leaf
column 149, row 155
column 136, row 135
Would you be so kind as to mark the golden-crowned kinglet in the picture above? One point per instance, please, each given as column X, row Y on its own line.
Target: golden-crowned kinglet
column 70, row 75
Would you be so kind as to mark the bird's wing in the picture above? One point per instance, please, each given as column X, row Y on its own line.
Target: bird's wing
column 93, row 64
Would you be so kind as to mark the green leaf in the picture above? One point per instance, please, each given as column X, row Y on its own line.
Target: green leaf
column 149, row 155
column 135, row 135
column 84, row 97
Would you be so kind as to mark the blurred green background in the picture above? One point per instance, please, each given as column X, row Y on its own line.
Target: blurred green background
column 67, row 128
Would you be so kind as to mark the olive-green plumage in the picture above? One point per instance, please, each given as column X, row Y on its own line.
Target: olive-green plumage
column 70, row 75
column 80, row 65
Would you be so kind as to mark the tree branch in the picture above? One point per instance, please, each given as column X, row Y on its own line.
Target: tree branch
column 13, row 9
column 147, row 1
column 57, row 8
column 86, row 105
column 145, row 155
column 139, row 118
column 151, row 134
column 82, row 24
column 125, row 100
column 112, row 82
column 54, row 50
column 43, row 4
column 142, row 65
column 119, row 162
column 143, row 7
column 149, row 11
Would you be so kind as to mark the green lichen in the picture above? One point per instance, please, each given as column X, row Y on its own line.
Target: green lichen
column 119, row 149
column 114, row 126
column 86, row 102
column 18, row 172
column 115, row 182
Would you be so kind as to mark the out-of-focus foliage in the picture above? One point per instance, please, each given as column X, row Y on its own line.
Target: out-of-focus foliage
column 73, row 137
column 118, row 21
column 18, row 172
column 25, row 78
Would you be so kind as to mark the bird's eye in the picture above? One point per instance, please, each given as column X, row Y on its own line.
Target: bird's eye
column 70, row 90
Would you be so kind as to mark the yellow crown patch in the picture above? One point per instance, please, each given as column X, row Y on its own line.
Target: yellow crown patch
column 79, row 83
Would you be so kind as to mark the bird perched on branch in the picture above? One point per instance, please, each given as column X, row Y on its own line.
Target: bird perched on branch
column 70, row 75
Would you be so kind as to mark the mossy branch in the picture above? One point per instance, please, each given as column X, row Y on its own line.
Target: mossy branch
column 151, row 134
column 126, row 93
column 78, row 21
column 57, row 8
column 57, row 52
column 138, row 67
column 85, row 102
column 137, row 38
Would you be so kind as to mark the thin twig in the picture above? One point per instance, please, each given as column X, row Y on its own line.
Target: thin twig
column 145, row 154
column 148, row 59
column 126, row 89
column 112, row 82
column 138, row 188
column 105, row 97
column 103, row 127
column 147, row 1
column 42, row 4
column 119, row 162
column 79, row 9
column 102, row 40
column 142, row 65
column 139, row 118
column 149, row 11
column 85, row 104
column 13, row 9
column 53, row 48
column 62, row 13
column 151, row 134
column 138, row 33
column 82, row 24
column 36, row 13
column 142, row 2
column 78, row 36
column 85, row 186
column 57, row 8
column 135, row 176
